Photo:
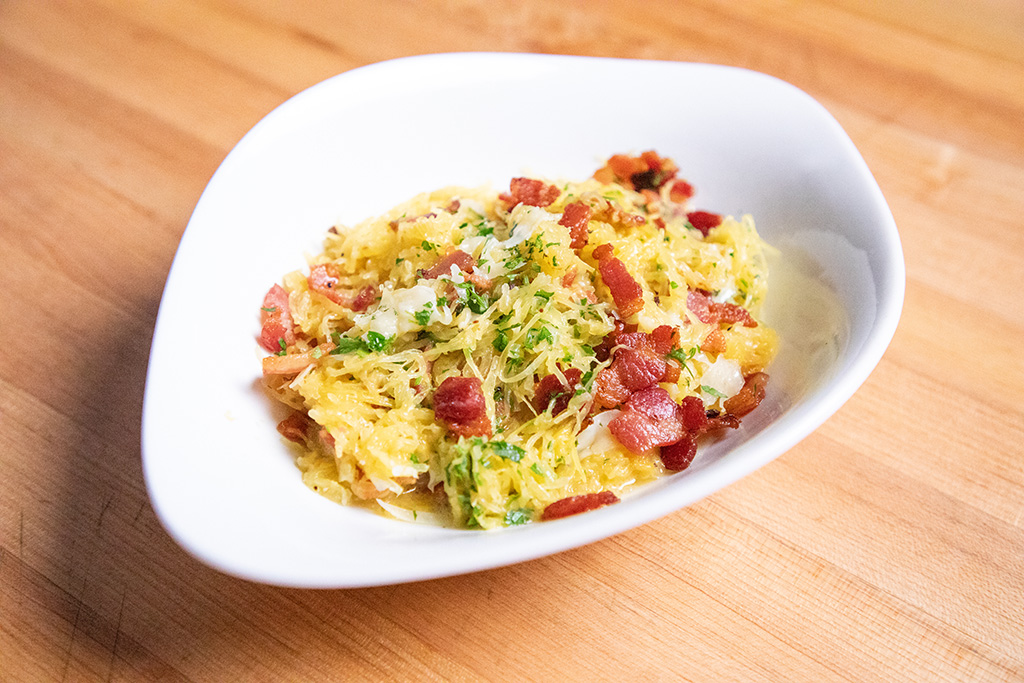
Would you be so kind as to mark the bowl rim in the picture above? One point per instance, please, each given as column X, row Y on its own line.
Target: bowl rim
column 568, row 533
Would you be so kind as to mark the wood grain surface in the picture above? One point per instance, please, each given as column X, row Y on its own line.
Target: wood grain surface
column 887, row 546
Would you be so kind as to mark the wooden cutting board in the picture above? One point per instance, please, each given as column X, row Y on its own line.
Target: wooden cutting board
column 886, row 546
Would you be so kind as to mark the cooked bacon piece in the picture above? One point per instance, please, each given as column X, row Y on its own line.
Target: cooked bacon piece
column 458, row 258
column 609, row 391
column 664, row 338
column 673, row 370
column 620, row 167
column 730, row 314
column 295, row 427
column 362, row 300
column 551, row 388
column 678, row 456
column 680, row 191
column 459, row 403
column 294, row 363
column 640, row 359
column 638, row 368
column 324, row 279
column 692, row 415
column 276, row 319
column 604, row 349
column 704, row 221
column 699, row 301
column 709, row 311
column 291, row 364
column 327, row 442
column 649, row 171
column 463, row 262
column 749, row 397
column 573, row 505
column 650, row 419
column 639, row 362
column 410, row 219
column 530, row 192
column 626, row 292
column 721, row 422
column 715, row 342
column 611, row 213
column 576, row 217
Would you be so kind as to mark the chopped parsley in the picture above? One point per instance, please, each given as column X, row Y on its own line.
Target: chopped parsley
column 422, row 316
column 535, row 336
column 508, row 451
column 375, row 341
column 517, row 517
column 473, row 299
column 711, row 391
column 500, row 341
column 268, row 309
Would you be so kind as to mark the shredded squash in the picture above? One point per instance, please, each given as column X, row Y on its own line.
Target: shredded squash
column 362, row 374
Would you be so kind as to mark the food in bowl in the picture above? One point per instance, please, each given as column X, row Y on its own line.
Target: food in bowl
column 484, row 359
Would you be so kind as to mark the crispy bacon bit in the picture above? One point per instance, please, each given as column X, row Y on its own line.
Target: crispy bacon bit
column 366, row 296
column 458, row 258
column 324, row 279
column 609, row 391
column 650, row 419
column 664, row 338
column 276, row 319
column 704, row 221
column 638, row 367
column 611, row 213
column 573, row 505
column 730, row 314
column 678, row 456
column 327, row 442
column 626, row 292
column 294, row 363
column 463, row 262
column 576, row 217
column 410, row 219
column 620, row 167
column 295, row 427
column 569, row 278
column 604, row 349
column 714, row 343
column 551, row 389
column 680, row 191
column 692, row 415
column 639, row 362
column 749, row 397
column 713, row 313
column 530, row 192
column 459, row 403
column 649, row 171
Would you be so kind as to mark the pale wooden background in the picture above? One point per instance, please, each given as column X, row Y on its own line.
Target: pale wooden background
column 886, row 546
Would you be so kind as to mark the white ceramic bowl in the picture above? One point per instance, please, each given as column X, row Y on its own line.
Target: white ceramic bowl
column 223, row 482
